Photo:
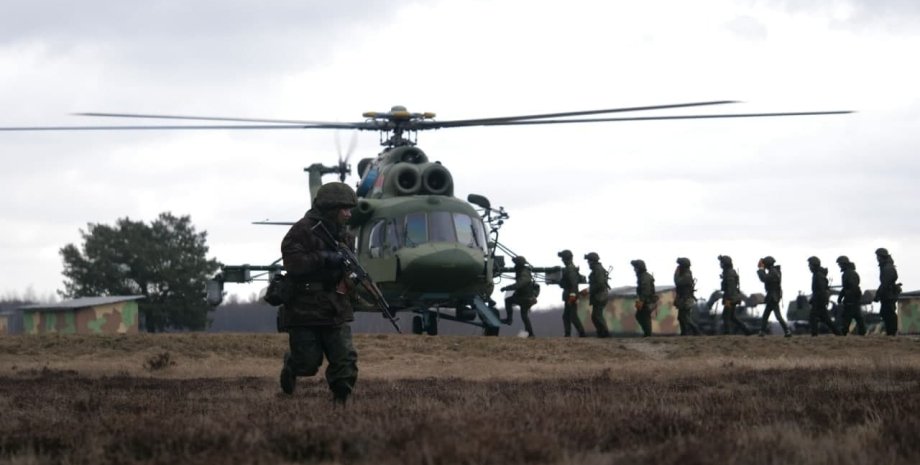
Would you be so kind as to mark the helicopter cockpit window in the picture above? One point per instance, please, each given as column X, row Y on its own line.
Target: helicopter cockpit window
column 375, row 240
column 416, row 229
column 392, row 241
column 480, row 232
column 464, row 226
column 442, row 227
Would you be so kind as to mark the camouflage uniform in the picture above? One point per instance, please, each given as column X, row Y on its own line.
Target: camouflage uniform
column 888, row 291
column 317, row 314
column 731, row 295
column 524, row 295
column 851, row 297
column 684, row 298
column 772, row 280
column 597, row 291
column 820, row 297
column 646, row 298
column 569, row 284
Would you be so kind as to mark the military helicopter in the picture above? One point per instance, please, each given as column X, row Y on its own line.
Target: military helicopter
column 429, row 252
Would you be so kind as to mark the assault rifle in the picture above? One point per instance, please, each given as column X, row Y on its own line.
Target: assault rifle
column 356, row 272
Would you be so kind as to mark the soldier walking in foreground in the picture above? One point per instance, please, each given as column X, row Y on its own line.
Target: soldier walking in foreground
column 851, row 297
column 317, row 314
column 769, row 273
column 646, row 298
column 569, row 284
column 524, row 295
column 731, row 295
column 820, row 296
column 597, row 290
column 684, row 298
column 888, row 291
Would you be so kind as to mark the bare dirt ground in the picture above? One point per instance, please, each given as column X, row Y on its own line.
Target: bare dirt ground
column 213, row 398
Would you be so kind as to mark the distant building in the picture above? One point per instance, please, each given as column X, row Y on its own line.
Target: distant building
column 909, row 312
column 85, row 315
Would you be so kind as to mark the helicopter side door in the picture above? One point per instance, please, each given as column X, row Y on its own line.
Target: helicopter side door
column 378, row 254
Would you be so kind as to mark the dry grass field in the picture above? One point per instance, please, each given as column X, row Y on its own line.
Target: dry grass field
column 214, row 398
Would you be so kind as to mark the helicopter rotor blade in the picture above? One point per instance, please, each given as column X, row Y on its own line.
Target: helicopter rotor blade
column 358, row 126
column 502, row 119
column 659, row 118
column 204, row 118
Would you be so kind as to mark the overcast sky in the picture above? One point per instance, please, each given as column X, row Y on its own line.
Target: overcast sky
column 790, row 187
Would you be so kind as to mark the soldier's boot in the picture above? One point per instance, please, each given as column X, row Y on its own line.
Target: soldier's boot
column 340, row 393
column 789, row 333
column 288, row 378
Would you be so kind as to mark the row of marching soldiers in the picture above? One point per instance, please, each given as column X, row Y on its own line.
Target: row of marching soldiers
column 768, row 271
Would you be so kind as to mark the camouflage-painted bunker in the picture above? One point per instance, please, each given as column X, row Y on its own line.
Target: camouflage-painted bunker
column 909, row 312
column 86, row 315
column 620, row 312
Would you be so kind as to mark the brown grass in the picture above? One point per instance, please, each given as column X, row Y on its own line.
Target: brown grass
column 424, row 400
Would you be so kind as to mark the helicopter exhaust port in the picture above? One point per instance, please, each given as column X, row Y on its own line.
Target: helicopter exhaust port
column 436, row 180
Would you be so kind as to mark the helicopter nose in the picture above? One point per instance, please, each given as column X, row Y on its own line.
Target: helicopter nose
column 441, row 267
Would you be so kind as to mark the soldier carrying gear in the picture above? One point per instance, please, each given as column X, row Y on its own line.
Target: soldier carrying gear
column 769, row 273
column 524, row 295
column 569, row 284
column 646, row 298
column 319, row 311
column 684, row 298
column 731, row 295
column 888, row 291
column 820, row 297
column 851, row 297
column 598, row 292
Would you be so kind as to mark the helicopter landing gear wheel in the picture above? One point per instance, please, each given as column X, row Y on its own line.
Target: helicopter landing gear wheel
column 487, row 331
column 417, row 327
column 431, row 326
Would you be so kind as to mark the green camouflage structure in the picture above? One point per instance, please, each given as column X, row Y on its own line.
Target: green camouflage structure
column 909, row 312
column 620, row 312
column 86, row 315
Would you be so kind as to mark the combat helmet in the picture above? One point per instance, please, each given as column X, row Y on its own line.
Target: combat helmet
column 639, row 265
column 683, row 262
column 335, row 195
column 592, row 257
column 519, row 260
column 843, row 261
column 882, row 252
column 725, row 261
column 565, row 254
column 814, row 261
column 769, row 261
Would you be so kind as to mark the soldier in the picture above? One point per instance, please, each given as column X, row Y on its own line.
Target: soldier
column 769, row 273
column 646, row 298
column 888, row 291
column 731, row 295
column 820, row 296
column 684, row 299
column 851, row 297
column 569, row 284
column 523, row 296
column 317, row 314
column 597, row 290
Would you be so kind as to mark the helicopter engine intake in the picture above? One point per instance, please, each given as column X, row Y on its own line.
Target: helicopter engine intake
column 436, row 180
column 406, row 178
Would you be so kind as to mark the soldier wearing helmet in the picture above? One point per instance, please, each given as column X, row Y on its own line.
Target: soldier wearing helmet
column 888, row 291
column 318, row 312
column 597, row 290
column 771, row 277
column 684, row 298
column 731, row 295
column 851, row 297
column 524, row 295
column 646, row 298
column 569, row 284
column 820, row 297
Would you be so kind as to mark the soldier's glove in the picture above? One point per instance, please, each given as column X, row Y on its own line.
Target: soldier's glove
column 639, row 305
column 726, row 302
column 572, row 298
column 505, row 289
column 332, row 260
